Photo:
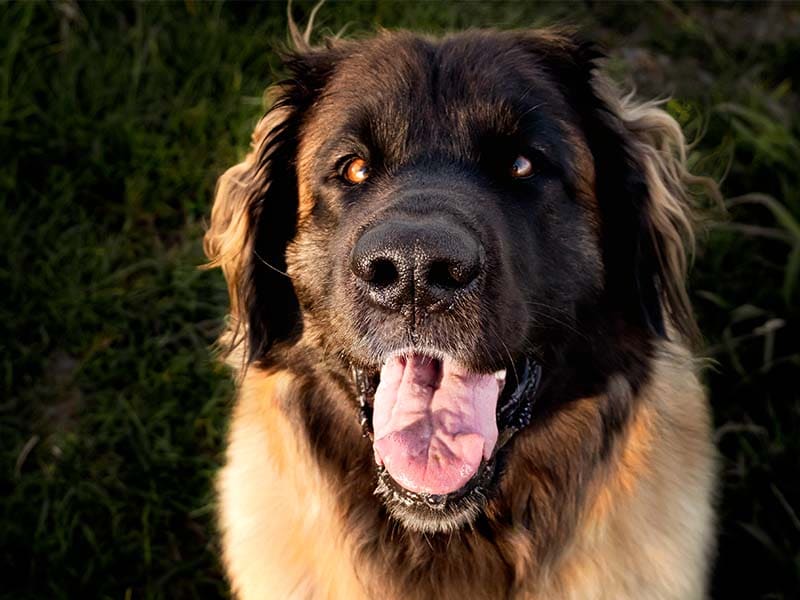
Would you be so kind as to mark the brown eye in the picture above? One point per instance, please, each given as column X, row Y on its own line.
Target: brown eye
column 356, row 171
column 521, row 168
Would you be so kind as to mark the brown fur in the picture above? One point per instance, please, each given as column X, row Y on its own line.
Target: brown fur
column 603, row 495
column 644, row 529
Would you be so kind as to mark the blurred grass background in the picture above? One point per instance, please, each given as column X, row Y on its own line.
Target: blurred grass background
column 116, row 119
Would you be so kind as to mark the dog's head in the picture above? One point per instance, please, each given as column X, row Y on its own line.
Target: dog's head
column 455, row 220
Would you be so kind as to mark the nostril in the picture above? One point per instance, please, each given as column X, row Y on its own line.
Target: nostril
column 449, row 275
column 383, row 273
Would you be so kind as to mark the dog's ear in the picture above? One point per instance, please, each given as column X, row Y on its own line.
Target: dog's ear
column 644, row 194
column 255, row 213
column 641, row 186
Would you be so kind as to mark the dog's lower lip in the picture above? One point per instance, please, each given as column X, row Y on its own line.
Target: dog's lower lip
column 391, row 489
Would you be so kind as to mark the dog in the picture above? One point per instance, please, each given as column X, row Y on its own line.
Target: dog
column 460, row 329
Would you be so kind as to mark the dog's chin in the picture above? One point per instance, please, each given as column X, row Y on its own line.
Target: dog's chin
column 435, row 513
column 437, row 429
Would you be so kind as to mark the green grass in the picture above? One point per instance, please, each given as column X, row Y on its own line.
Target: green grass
column 115, row 121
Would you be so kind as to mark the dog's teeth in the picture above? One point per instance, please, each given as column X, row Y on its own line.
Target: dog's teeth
column 500, row 376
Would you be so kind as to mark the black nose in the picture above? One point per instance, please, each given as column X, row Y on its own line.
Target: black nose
column 420, row 263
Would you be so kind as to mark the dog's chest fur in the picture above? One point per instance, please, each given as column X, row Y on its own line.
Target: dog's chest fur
column 644, row 530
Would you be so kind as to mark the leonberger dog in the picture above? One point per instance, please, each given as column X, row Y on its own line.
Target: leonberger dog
column 461, row 331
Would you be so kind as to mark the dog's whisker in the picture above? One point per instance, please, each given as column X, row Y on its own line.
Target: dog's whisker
column 543, row 314
column 264, row 262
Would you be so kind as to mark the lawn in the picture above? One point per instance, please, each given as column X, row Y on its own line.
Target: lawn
column 115, row 121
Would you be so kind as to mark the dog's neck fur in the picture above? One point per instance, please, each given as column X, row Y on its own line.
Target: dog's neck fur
column 299, row 518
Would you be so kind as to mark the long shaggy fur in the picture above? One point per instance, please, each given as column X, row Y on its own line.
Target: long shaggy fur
column 607, row 494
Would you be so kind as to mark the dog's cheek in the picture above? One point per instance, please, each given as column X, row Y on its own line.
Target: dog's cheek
column 572, row 271
column 317, row 264
column 504, row 314
column 582, row 274
column 309, row 267
column 563, row 268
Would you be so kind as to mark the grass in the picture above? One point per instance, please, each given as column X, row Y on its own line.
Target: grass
column 116, row 119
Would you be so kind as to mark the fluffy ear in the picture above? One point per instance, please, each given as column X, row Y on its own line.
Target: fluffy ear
column 256, row 187
column 659, row 184
column 255, row 212
column 642, row 187
column 645, row 193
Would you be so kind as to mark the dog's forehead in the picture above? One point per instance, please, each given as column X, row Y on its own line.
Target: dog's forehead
column 463, row 65
column 438, row 91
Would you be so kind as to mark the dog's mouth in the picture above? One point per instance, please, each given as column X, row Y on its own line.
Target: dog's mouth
column 436, row 428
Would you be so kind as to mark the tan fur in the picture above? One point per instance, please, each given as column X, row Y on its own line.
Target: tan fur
column 646, row 534
column 281, row 534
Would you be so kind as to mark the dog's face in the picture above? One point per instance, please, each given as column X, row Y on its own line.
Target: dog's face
column 443, row 203
column 456, row 218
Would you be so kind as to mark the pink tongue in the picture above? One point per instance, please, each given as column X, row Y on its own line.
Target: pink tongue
column 433, row 423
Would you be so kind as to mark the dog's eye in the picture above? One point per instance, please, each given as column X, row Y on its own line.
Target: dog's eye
column 521, row 168
column 356, row 171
